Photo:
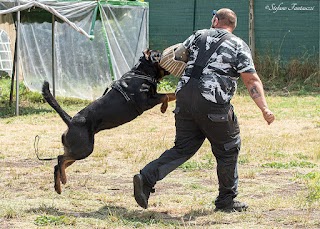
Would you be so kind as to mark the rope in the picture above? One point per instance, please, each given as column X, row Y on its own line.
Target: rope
column 36, row 149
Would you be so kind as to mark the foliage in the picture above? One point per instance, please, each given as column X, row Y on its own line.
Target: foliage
column 53, row 220
column 299, row 74
column 195, row 165
column 291, row 164
column 313, row 183
column 5, row 85
column 30, row 102
column 168, row 84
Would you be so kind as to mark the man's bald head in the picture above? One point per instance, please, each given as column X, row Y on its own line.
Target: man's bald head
column 226, row 19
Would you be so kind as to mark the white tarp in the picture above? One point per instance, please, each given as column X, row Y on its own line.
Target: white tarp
column 84, row 67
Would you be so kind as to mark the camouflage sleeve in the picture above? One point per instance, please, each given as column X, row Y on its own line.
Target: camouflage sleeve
column 244, row 59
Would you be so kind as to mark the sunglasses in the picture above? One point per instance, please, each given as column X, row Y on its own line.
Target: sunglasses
column 214, row 13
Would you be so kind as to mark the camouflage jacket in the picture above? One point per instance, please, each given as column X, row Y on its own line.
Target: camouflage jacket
column 218, row 81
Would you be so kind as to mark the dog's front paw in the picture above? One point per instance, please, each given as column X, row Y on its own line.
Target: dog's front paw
column 164, row 107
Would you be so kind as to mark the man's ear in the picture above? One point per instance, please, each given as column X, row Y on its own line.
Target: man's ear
column 147, row 53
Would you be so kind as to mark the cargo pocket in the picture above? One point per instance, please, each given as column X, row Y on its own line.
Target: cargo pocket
column 218, row 117
column 220, row 125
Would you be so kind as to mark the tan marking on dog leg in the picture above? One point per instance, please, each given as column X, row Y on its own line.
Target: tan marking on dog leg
column 63, row 167
column 164, row 105
column 69, row 163
column 171, row 96
column 167, row 98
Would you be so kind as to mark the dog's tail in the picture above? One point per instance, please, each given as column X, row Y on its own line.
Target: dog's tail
column 54, row 104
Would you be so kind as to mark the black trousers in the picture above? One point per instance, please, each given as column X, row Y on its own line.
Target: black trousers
column 197, row 119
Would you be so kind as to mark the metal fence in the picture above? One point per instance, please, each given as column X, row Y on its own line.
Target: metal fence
column 285, row 29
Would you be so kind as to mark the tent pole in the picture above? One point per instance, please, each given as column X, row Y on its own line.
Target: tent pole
column 17, row 61
column 13, row 73
column 252, row 43
column 53, row 56
column 106, row 42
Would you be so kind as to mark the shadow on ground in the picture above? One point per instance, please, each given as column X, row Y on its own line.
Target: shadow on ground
column 133, row 216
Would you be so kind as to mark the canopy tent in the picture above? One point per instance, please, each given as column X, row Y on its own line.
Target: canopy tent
column 78, row 46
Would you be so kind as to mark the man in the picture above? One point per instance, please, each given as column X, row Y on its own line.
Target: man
column 203, row 109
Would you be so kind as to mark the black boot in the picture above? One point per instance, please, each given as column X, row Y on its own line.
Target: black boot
column 233, row 207
column 141, row 191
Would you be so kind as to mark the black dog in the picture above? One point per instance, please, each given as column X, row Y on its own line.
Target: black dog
column 127, row 98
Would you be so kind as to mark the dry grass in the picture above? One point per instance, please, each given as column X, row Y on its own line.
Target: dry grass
column 275, row 166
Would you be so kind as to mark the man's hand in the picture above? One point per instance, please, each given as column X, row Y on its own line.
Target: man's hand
column 268, row 115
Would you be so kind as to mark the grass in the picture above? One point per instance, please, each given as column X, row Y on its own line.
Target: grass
column 291, row 164
column 298, row 74
column 278, row 168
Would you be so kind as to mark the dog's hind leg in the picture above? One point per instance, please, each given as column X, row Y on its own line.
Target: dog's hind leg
column 57, row 179
column 60, row 173
column 63, row 170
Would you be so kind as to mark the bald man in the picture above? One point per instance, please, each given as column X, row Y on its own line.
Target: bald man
column 217, row 59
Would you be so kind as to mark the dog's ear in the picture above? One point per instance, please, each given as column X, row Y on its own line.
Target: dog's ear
column 147, row 53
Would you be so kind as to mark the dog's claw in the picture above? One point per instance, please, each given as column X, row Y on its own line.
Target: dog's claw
column 58, row 189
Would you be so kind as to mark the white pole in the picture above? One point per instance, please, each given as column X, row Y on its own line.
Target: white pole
column 53, row 57
column 17, row 61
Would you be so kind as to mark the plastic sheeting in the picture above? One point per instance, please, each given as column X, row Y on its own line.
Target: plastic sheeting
column 84, row 67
